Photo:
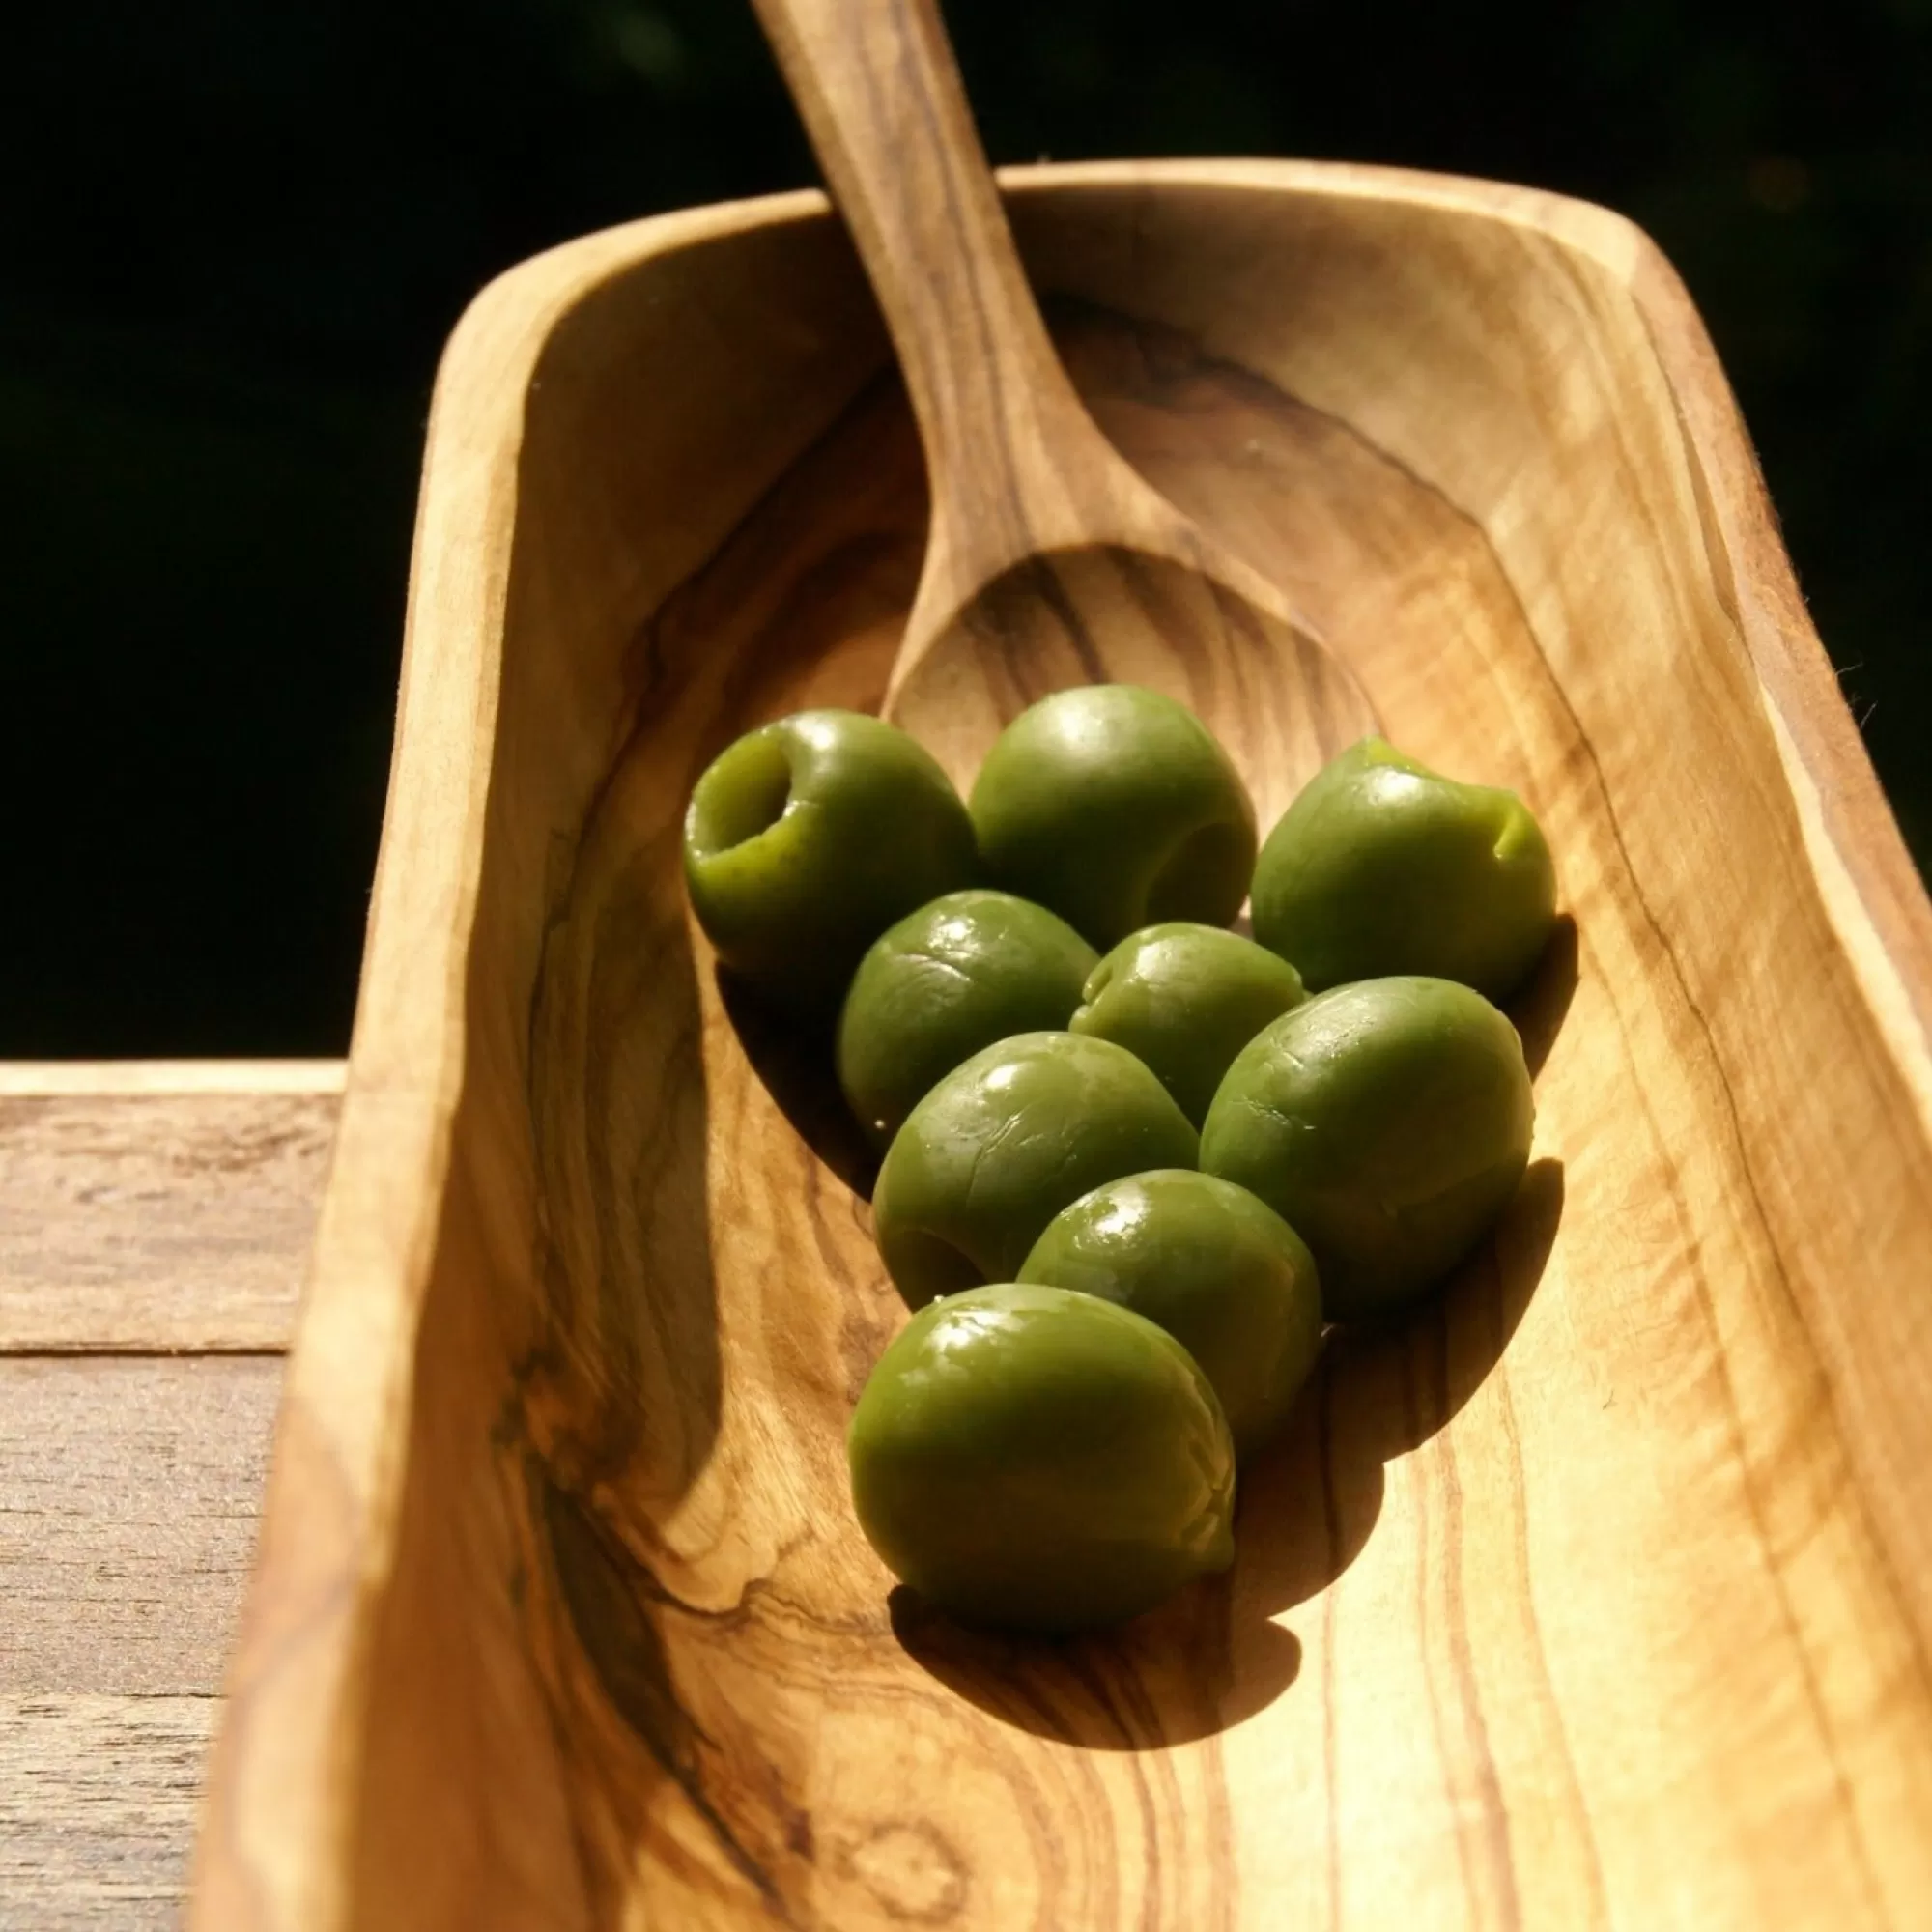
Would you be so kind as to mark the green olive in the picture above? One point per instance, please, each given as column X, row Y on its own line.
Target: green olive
column 1041, row 1460
column 805, row 838
column 1384, row 867
column 1187, row 998
column 1387, row 1122
column 1221, row 1272
column 1001, row 1145
column 1115, row 807
column 968, row 970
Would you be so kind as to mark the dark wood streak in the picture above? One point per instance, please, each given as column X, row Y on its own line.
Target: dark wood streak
column 1044, row 578
column 600, row 1587
column 542, row 1608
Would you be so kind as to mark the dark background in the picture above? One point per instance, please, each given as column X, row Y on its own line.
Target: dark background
column 235, row 234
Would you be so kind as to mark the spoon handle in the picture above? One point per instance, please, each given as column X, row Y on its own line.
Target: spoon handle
column 1006, row 440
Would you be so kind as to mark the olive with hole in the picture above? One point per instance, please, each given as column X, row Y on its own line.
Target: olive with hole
column 959, row 974
column 1382, row 866
column 1114, row 807
column 1389, row 1123
column 1005, row 1141
column 1034, row 1459
column 1214, row 1267
column 1187, row 998
column 805, row 838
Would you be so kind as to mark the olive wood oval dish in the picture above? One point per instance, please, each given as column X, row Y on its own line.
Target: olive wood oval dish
column 1598, row 1593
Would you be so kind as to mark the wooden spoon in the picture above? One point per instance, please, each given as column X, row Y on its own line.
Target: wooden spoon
column 1050, row 561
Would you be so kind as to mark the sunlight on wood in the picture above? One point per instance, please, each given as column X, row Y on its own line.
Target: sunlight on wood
column 1600, row 1594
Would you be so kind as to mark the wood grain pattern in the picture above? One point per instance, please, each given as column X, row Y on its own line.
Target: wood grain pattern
column 130, row 1489
column 127, row 1506
column 137, row 1079
column 1600, row 1594
column 97, row 1799
column 1049, row 559
column 177, row 1216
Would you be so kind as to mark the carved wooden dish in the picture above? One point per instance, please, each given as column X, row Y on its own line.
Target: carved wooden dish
column 1602, row 1593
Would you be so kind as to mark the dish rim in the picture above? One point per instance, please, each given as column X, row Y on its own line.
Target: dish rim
column 328, row 1539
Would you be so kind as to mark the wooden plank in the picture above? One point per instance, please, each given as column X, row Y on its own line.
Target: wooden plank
column 129, row 1495
column 143, row 1206
column 172, row 1076
column 165, row 1206
column 98, row 1799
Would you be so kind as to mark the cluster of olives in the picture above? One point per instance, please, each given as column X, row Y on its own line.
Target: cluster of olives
column 1132, row 1160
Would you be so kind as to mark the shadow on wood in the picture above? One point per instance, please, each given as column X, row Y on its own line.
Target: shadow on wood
column 1539, row 1007
column 1600, row 1593
column 622, row 1385
column 797, row 1066
column 1308, row 1504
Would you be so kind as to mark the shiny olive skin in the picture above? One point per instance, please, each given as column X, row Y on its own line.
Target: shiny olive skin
column 1387, row 1121
column 805, row 838
column 1039, row 1460
column 970, row 969
column 1115, row 808
column 1214, row 1267
column 1002, row 1143
column 1382, row 866
column 1187, row 998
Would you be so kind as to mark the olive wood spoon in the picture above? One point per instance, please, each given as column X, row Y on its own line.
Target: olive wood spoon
column 1050, row 561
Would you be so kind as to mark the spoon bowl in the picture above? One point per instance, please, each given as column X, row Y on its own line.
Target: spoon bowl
column 1051, row 561
column 1203, row 629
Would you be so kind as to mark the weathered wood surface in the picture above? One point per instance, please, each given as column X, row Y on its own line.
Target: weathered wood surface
column 1600, row 1594
column 97, row 1802
column 148, row 1213
column 132, row 1491
column 177, row 1217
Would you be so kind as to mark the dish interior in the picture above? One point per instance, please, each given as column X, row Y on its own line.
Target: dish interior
column 1565, row 1601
